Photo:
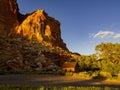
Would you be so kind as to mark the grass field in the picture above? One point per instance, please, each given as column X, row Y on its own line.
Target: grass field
column 6, row 87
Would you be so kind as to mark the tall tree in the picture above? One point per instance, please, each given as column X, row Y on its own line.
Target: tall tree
column 109, row 51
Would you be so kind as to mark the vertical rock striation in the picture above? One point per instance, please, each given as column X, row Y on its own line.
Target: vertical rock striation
column 38, row 25
column 8, row 16
column 30, row 42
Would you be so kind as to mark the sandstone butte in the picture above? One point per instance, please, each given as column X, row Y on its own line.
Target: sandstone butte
column 30, row 42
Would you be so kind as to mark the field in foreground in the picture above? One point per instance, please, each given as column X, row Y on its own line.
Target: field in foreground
column 57, row 88
column 36, row 80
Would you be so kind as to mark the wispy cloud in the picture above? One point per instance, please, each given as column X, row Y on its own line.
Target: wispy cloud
column 106, row 34
column 117, row 36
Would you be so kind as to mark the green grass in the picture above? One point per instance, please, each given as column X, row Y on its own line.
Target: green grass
column 7, row 87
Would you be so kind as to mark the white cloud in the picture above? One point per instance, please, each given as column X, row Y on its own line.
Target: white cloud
column 117, row 36
column 104, row 34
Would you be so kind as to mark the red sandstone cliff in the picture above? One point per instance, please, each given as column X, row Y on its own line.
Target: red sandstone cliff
column 29, row 42
column 38, row 25
column 8, row 16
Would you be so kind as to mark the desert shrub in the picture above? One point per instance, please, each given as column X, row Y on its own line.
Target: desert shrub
column 118, row 76
column 106, row 74
column 82, row 75
column 94, row 74
column 101, row 75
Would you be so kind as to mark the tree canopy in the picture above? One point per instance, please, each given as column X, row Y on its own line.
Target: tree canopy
column 109, row 51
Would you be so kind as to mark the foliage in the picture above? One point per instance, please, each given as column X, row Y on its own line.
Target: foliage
column 6, row 87
column 99, row 77
column 109, row 51
column 102, row 75
column 110, row 67
column 87, row 63
column 109, row 54
column 106, row 59
column 84, row 75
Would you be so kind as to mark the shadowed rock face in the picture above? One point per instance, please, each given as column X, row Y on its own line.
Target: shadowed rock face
column 8, row 16
column 29, row 42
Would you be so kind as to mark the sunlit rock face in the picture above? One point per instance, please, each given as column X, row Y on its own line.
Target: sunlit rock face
column 30, row 42
column 38, row 25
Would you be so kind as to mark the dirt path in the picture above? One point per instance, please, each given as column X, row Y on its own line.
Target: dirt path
column 51, row 80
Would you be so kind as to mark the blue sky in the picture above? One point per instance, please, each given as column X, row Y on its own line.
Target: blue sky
column 84, row 23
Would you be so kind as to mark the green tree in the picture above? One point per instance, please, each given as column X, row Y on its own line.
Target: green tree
column 88, row 63
column 109, row 51
column 109, row 57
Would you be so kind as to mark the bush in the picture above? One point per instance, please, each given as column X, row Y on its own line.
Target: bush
column 119, row 76
column 82, row 75
column 106, row 74
column 102, row 75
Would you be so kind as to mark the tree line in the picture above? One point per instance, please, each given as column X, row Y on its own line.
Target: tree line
column 106, row 58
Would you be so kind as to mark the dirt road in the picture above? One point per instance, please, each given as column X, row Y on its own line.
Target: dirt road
column 51, row 80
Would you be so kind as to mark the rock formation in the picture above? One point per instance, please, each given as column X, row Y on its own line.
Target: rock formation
column 30, row 42
column 8, row 16
column 41, row 27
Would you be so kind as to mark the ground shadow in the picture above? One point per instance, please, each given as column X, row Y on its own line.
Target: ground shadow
column 52, row 80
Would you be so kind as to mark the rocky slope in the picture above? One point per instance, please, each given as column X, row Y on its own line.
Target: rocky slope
column 30, row 42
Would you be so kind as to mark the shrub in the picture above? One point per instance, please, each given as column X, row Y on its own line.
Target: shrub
column 102, row 75
column 84, row 75
column 106, row 74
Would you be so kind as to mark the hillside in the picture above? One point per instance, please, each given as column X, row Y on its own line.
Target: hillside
column 30, row 42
